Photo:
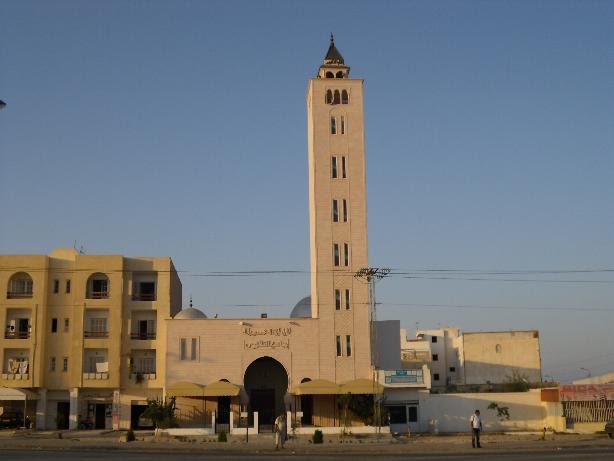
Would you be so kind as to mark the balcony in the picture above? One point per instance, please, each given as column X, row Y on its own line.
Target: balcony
column 98, row 295
column 144, row 297
column 16, row 335
column 95, row 334
column 141, row 376
column 18, row 294
column 143, row 336
column 92, row 375
column 16, row 376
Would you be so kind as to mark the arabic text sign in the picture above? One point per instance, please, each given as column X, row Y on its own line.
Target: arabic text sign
column 586, row 392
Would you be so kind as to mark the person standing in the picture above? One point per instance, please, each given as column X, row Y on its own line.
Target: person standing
column 476, row 428
column 280, row 431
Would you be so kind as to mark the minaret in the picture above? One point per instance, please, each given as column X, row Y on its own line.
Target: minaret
column 338, row 218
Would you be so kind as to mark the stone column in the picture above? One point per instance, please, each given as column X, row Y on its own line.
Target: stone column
column 116, row 412
column 73, row 418
column 41, row 410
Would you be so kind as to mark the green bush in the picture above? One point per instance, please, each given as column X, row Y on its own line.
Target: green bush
column 221, row 437
column 130, row 436
column 318, row 437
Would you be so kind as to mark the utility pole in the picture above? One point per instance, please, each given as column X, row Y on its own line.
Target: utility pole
column 372, row 275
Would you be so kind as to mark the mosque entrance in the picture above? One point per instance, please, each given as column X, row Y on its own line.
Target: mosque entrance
column 266, row 384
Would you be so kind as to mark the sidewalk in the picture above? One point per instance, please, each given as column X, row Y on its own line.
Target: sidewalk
column 264, row 443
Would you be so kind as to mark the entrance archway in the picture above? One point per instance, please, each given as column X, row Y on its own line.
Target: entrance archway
column 266, row 384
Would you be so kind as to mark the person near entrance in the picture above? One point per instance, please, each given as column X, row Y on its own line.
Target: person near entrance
column 280, row 431
column 476, row 428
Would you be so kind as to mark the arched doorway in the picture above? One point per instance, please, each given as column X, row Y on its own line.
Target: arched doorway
column 266, row 384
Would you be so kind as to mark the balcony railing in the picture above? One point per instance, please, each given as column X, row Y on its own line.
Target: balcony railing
column 96, row 375
column 144, row 297
column 22, row 376
column 140, row 376
column 98, row 295
column 95, row 334
column 16, row 335
column 18, row 294
column 143, row 335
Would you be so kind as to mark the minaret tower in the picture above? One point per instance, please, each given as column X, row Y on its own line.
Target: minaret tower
column 338, row 219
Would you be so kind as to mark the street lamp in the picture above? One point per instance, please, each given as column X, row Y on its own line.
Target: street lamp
column 588, row 372
column 2, row 104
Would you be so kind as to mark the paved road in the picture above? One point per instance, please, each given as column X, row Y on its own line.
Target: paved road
column 597, row 454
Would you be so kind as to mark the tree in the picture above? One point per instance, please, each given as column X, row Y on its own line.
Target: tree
column 162, row 413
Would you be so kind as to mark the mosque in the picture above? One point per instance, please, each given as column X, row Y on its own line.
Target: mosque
column 302, row 363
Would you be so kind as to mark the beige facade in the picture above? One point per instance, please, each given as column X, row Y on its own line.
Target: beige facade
column 458, row 358
column 85, row 333
column 326, row 341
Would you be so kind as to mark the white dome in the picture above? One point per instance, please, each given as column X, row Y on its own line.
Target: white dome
column 190, row 313
column 302, row 308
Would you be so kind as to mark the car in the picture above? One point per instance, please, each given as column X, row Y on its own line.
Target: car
column 609, row 428
column 11, row 419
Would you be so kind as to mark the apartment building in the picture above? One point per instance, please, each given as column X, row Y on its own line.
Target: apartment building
column 84, row 337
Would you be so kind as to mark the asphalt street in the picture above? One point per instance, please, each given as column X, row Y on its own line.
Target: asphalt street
column 603, row 453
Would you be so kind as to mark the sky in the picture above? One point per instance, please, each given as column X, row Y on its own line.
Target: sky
column 179, row 129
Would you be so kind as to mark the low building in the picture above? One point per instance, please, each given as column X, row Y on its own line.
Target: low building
column 84, row 339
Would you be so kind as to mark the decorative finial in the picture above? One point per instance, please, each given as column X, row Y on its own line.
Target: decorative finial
column 190, row 300
column 332, row 39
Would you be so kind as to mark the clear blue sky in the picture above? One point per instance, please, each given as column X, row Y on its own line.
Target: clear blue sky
column 178, row 128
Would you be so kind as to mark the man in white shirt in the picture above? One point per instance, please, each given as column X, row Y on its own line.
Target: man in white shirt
column 476, row 428
column 280, row 431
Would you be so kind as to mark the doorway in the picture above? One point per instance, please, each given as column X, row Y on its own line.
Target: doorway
column 100, row 416
column 62, row 415
column 266, row 384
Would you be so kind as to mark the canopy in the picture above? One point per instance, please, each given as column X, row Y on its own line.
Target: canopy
column 221, row 389
column 362, row 386
column 317, row 387
column 11, row 393
column 185, row 389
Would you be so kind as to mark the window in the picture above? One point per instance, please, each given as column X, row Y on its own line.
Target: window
column 98, row 327
column 412, row 413
column 343, row 173
column 338, row 346
column 337, row 299
column 333, row 125
column 435, row 357
column 329, row 97
column 398, row 414
column 20, row 286
column 183, row 349
column 56, row 286
column 98, row 286
column 342, row 124
column 329, row 74
column 334, row 166
column 345, row 210
column 54, row 325
column 339, row 74
column 336, row 254
column 348, row 345
column 144, row 291
column 52, row 364
column 498, row 348
column 344, row 97
column 346, row 254
column 65, row 364
column 66, row 325
column 347, row 299
column 452, row 369
column 337, row 97
column 67, row 286
column 435, row 376
column 336, row 210
column 193, row 349
column 433, row 339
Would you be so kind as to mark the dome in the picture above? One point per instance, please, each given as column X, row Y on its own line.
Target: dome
column 190, row 313
column 302, row 308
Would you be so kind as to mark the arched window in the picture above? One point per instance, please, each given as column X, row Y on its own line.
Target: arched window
column 20, row 286
column 97, row 286
column 337, row 97
column 498, row 348
column 344, row 97
column 329, row 97
column 329, row 74
column 340, row 74
column 305, row 380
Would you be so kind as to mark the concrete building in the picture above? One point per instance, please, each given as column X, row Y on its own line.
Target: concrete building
column 84, row 338
column 324, row 348
column 457, row 358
